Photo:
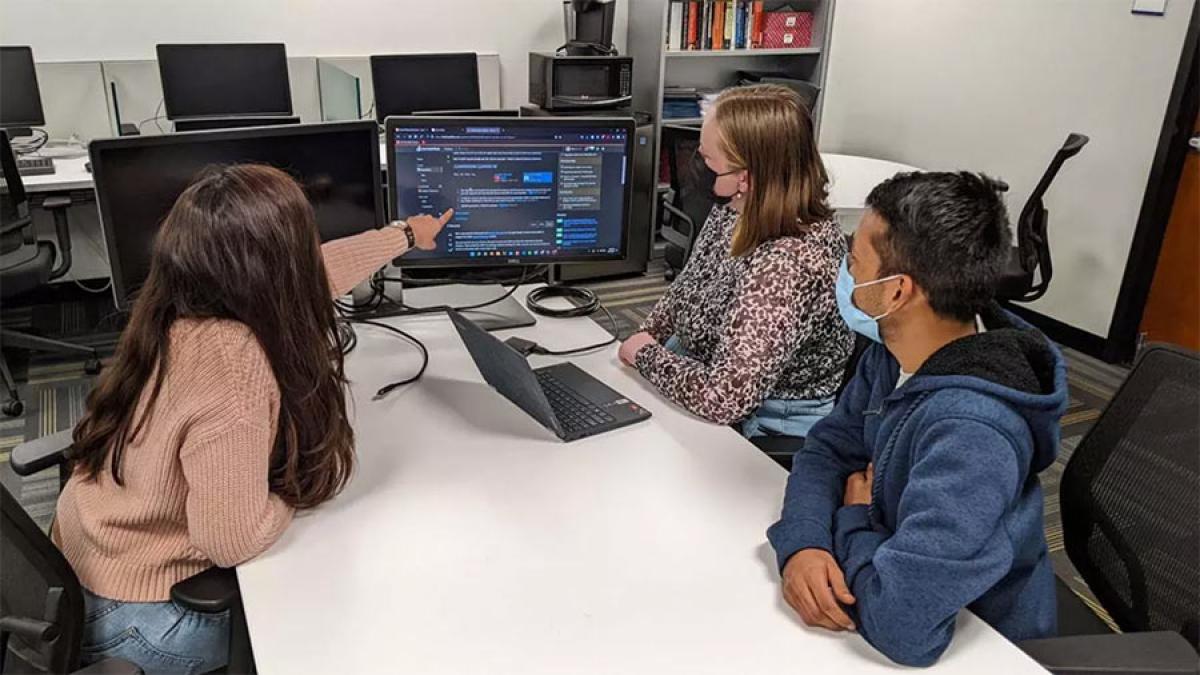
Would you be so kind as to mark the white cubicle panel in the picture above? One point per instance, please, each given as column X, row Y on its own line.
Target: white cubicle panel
column 138, row 94
column 74, row 100
column 306, row 99
column 360, row 67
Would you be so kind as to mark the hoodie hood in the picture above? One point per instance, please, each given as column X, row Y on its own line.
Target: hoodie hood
column 1012, row 362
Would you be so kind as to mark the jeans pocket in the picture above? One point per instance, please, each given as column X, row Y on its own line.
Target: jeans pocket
column 133, row 647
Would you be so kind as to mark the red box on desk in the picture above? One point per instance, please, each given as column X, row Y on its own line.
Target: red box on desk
column 787, row 30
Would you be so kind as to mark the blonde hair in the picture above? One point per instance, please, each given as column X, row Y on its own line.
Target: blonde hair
column 766, row 130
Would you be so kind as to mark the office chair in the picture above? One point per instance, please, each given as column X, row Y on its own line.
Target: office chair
column 41, row 603
column 1031, row 255
column 687, row 204
column 210, row 592
column 1129, row 499
column 26, row 264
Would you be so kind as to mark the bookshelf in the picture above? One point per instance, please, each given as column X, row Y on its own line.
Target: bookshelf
column 657, row 69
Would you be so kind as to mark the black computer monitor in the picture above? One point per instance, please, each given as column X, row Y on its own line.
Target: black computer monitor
column 526, row 191
column 406, row 83
column 496, row 112
column 21, row 102
column 138, row 179
column 223, row 80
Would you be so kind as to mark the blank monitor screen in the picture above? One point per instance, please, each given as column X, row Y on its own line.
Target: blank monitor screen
column 531, row 190
column 406, row 83
column 21, row 102
column 139, row 178
column 224, row 79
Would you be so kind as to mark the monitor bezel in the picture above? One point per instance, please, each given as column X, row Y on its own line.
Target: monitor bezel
column 122, row 295
column 169, row 105
column 40, row 120
column 627, row 124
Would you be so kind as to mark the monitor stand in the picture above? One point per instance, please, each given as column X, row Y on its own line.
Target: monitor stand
column 507, row 313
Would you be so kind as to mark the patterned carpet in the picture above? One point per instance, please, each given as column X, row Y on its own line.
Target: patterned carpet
column 54, row 390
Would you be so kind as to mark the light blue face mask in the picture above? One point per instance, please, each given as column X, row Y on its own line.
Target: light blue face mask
column 858, row 320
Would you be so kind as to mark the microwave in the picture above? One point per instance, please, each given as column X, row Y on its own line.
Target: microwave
column 580, row 82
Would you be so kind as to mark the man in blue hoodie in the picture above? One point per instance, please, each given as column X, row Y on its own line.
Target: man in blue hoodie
column 918, row 496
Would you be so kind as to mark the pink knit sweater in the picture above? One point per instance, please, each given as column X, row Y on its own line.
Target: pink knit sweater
column 196, row 491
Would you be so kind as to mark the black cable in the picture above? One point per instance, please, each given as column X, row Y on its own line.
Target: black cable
column 33, row 146
column 516, row 284
column 586, row 304
column 387, row 389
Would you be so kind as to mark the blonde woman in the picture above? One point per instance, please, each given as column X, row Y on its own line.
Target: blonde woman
column 749, row 332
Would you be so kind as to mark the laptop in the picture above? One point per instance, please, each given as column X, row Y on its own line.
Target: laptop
column 562, row 397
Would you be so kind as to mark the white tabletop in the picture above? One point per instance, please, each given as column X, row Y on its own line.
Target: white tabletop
column 69, row 174
column 471, row 540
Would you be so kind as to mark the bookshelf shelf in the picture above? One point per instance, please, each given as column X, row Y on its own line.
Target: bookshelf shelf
column 739, row 53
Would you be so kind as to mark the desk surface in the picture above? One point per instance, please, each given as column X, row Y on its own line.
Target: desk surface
column 69, row 174
column 473, row 541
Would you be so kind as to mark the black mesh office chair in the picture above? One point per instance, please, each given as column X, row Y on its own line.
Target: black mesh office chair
column 27, row 264
column 1130, row 500
column 212, row 591
column 1030, row 258
column 41, row 604
column 687, row 204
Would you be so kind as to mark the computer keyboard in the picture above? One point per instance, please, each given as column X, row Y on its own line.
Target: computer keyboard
column 574, row 412
column 35, row 166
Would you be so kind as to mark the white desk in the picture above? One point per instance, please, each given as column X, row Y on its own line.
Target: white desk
column 472, row 541
column 69, row 174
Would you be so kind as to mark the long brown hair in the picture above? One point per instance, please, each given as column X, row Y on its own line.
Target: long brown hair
column 241, row 244
column 766, row 130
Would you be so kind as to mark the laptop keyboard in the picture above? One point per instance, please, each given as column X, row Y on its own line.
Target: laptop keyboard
column 574, row 412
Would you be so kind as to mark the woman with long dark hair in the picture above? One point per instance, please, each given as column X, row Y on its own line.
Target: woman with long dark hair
column 222, row 413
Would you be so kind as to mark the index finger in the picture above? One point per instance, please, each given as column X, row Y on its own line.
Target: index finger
column 445, row 217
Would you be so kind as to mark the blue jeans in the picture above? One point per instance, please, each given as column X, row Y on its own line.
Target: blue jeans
column 775, row 416
column 161, row 637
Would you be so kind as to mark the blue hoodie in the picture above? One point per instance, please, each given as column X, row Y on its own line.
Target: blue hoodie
column 956, row 509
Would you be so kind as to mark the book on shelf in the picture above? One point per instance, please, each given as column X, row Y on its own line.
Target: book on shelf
column 675, row 24
column 757, row 19
column 730, row 22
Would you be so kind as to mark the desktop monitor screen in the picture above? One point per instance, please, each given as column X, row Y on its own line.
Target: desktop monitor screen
column 138, row 179
column 217, row 80
column 406, row 83
column 21, row 102
column 525, row 191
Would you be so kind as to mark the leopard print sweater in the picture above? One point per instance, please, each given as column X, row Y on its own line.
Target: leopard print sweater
column 762, row 326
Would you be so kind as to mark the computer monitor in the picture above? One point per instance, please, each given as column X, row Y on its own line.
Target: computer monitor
column 497, row 112
column 525, row 191
column 21, row 102
column 211, row 123
column 223, row 80
column 138, row 179
column 406, row 83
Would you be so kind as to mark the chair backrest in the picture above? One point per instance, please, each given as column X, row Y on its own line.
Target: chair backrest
column 682, row 146
column 1033, row 243
column 15, row 221
column 1130, row 498
column 40, row 597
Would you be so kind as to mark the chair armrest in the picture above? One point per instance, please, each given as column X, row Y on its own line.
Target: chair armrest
column 58, row 205
column 110, row 667
column 211, row 591
column 672, row 232
column 33, row 456
column 1150, row 653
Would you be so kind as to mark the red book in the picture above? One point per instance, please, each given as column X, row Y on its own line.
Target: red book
column 693, row 24
column 756, row 33
column 718, row 32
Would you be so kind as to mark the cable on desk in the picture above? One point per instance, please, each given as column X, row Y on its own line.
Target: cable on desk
column 586, row 304
column 387, row 389
column 525, row 277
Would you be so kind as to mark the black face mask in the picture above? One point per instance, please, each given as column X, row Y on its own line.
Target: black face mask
column 707, row 178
